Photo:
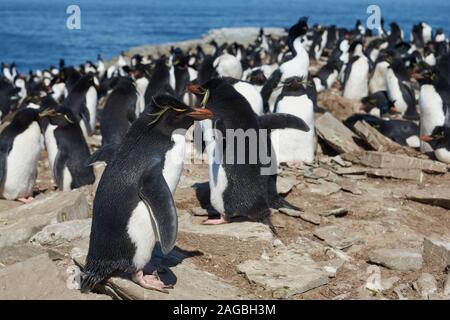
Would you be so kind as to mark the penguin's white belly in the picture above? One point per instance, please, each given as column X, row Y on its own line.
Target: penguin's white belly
column 172, row 77
column 228, row 65
column 293, row 144
column 431, row 113
column 217, row 176
column 442, row 155
column 394, row 92
column 252, row 95
column 318, row 84
column 67, row 179
column 140, row 230
column 21, row 165
column 332, row 78
column 378, row 80
column 357, row 83
column 173, row 163
column 50, row 144
column 273, row 98
column 91, row 104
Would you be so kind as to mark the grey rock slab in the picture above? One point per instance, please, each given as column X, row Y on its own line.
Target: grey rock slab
column 20, row 223
column 324, row 188
column 306, row 216
column 436, row 250
column 285, row 184
column 426, row 285
column 7, row 204
column 447, row 285
column 18, row 253
column 397, row 259
column 188, row 282
column 335, row 236
column 62, row 233
column 38, row 278
column 433, row 195
column 286, row 274
column 245, row 231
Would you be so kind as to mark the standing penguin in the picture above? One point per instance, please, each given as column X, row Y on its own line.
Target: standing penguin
column 240, row 183
column 82, row 100
column 434, row 100
column 69, row 163
column 133, row 206
column 119, row 112
column 20, row 144
column 399, row 90
column 356, row 79
column 291, row 145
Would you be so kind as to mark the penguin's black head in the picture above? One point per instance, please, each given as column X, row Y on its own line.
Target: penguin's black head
column 169, row 113
column 257, row 77
column 24, row 117
column 428, row 76
column 60, row 116
column 297, row 30
column 295, row 84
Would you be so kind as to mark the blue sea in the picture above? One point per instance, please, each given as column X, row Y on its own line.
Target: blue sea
column 33, row 33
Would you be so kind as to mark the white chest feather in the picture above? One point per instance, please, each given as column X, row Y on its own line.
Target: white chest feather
column 394, row 91
column 141, row 233
column 172, row 77
column 431, row 113
column 378, row 80
column 356, row 86
column 91, row 104
column 252, row 95
column 173, row 163
column 50, row 144
column 21, row 164
column 293, row 144
column 217, row 177
column 442, row 154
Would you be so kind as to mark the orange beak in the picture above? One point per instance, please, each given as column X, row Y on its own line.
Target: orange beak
column 200, row 114
column 426, row 138
column 394, row 110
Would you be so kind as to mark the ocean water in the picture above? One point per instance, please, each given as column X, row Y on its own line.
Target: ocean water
column 33, row 33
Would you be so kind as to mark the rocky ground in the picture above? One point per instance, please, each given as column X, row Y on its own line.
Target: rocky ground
column 375, row 225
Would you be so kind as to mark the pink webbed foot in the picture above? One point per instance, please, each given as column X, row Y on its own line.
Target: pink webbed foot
column 150, row 281
column 209, row 221
column 25, row 200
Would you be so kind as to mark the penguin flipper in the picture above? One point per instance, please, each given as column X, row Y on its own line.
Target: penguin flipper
column 269, row 86
column 3, row 157
column 282, row 121
column 86, row 118
column 155, row 192
column 104, row 154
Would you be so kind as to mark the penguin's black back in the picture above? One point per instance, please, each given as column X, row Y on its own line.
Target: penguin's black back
column 73, row 151
column 159, row 82
column 119, row 112
column 76, row 100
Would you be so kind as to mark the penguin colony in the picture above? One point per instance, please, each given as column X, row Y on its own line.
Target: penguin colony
column 151, row 101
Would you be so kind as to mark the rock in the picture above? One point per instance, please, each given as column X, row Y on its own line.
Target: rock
column 334, row 236
column 388, row 284
column 285, row 184
column 310, row 217
column 24, row 221
column 384, row 160
column 339, row 212
column 373, row 282
column 436, row 195
column 402, row 290
column 61, row 233
column 324, row 188
column 403, row 174
column 425, row 285
column 7, row 204
column 188, row 282
column 38, row 278
column 286, row 274
column 199, row 211
column 333, row 266
column 436, row 250
column 245, row 231
column 447, row 285
column 397, row 259
column 336, row 134
column 346, row 184
column 18, row 253
column 306, row 216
